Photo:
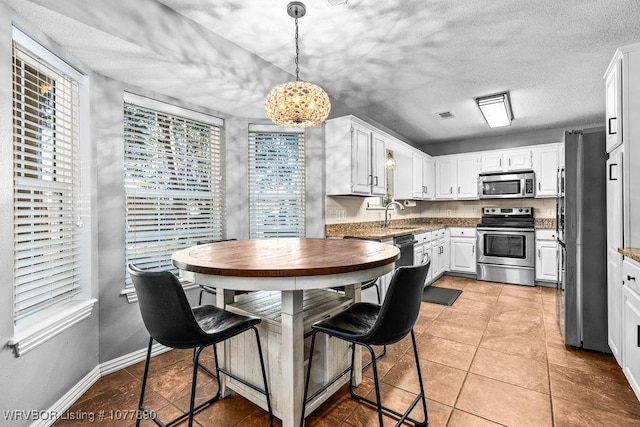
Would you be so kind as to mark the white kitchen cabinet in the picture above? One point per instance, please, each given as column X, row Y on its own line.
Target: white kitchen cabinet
column 613, row 103
column 378, row 164
column 462, row 250
column 614, row 258
column 505, row 161
column 440, row 252
column 467, row 177
column 445, row 176
column 517, row 160
column 631, row 339
column 623, row 131
column 491, row 162
column 545, row 166
column 546, row 255
column 355, row 158
column 428, row 178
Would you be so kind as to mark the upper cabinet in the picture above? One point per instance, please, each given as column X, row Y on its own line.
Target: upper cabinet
column 545, row 165
column 505, row 161
column 467, row 177
column 355, row 158
column 422, row 182
column 445, row 176
column 613, row 104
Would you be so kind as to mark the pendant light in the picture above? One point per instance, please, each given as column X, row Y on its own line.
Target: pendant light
column 297, row 104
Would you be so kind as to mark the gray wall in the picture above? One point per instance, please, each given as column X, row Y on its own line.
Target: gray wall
column 39, row 378
column 498, row 142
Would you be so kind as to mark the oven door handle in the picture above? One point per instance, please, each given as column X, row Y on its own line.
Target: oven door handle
column 505, row 230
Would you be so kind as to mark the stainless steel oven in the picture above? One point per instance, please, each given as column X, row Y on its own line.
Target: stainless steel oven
column 506, row 246
column 506, row 185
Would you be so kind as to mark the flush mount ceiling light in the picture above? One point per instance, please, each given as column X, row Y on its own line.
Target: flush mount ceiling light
column 297, row 104
column 496, row 109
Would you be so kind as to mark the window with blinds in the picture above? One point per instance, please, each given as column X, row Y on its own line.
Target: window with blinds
column 276, row 184
column 46, row 170
column 173, row 185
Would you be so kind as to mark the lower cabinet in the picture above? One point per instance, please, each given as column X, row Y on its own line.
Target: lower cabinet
column 631, row 338
column 462, row 250
column 546, row 256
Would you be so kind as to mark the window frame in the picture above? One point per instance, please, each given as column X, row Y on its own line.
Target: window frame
column 298, row 229
column 46, row 323
column 217, row 177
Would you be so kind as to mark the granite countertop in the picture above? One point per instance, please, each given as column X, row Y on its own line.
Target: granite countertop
column 374, row 230
column 633, row 253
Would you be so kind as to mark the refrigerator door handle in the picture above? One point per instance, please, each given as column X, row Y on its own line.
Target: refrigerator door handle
column 611, row 178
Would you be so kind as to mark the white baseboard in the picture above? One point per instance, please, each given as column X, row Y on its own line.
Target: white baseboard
column 130, row 359
column 71, row 396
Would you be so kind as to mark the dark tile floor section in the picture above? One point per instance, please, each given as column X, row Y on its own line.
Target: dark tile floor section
column 494, row 358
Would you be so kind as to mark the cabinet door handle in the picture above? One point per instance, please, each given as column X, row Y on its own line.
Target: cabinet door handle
column 611, row 178
column 631, row 278
column 458, row 189
column 612, row 118
column 638, row 336
column 473, row 250
column 376, row 177
column 369, row 179
column 500, row 162
column 509, row 161
column 539, row 256
column 450, row 190
column 538, row 186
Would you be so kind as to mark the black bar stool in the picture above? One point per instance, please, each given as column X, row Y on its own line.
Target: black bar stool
column 172, row 322
column 368, row 324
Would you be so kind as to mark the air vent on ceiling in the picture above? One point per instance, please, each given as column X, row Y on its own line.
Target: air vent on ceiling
column 446, row 115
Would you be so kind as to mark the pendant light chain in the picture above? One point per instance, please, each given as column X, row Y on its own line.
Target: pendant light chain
column 297, row 53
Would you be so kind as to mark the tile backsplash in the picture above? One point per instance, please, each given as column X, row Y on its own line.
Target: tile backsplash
column 342, row 209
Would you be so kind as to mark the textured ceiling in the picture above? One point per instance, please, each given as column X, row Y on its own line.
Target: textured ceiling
column 399, row 63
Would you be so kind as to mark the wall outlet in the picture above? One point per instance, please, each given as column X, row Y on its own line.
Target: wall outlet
column 550, row 212
column 449, row 212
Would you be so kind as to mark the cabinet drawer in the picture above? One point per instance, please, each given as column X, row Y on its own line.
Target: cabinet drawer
column 546, row 235
column 423, row 238
column 462, row 232
column 631, row 274
column 437, row 234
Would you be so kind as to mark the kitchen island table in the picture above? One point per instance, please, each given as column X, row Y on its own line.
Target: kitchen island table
column 289, row 281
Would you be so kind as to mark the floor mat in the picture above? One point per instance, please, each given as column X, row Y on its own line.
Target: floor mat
column 444, row 296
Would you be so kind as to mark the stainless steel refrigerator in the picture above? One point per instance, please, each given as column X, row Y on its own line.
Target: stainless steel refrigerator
column 581, row 223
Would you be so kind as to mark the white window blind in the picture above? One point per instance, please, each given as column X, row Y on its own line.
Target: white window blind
column 276, row 184
column 173, row 185
column 46, row 184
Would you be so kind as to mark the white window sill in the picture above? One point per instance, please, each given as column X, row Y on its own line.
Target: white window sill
column 132, row 297
column 45, row 325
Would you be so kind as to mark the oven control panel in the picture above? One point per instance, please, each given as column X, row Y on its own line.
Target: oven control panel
column 507, row 211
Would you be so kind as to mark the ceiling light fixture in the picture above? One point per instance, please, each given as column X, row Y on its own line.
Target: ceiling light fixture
column 297, row 104
column 496, row 109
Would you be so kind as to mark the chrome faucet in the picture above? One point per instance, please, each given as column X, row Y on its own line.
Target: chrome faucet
column 387, row 214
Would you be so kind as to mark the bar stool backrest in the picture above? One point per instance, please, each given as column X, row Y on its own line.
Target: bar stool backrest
column 401, row 306
column 165, row 310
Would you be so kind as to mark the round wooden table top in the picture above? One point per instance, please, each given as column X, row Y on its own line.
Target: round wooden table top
column 288, row 257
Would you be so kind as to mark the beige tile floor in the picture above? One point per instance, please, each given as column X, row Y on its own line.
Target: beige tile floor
column 494, row 358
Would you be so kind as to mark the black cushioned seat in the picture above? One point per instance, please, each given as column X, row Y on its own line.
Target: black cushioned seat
column 172, row 322
column 368, row 324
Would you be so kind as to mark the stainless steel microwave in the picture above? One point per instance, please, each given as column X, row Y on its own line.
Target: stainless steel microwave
column 506, row 185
